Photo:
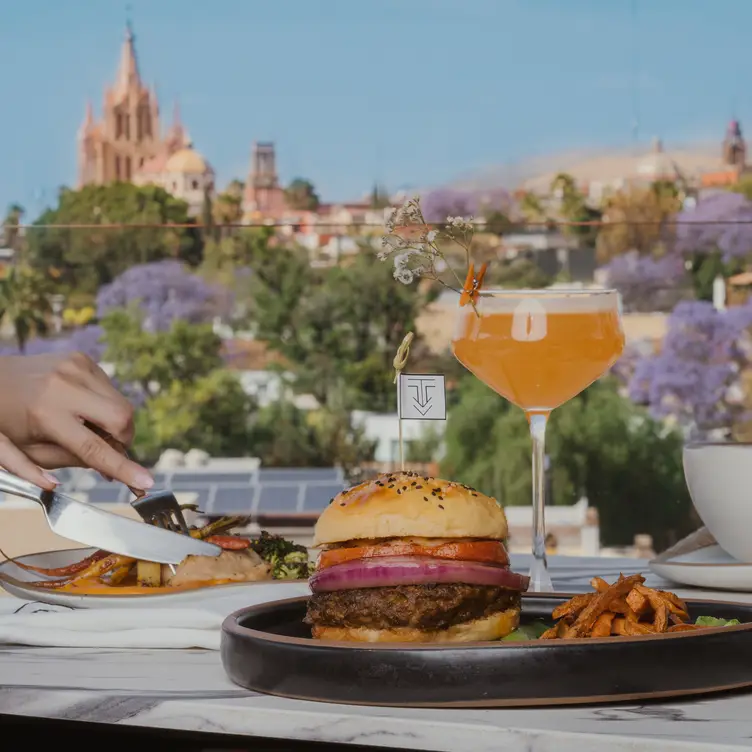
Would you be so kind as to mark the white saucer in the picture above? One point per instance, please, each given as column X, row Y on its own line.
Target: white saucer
column 710, row 568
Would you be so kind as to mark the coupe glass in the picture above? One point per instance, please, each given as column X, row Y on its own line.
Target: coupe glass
column 538, row 349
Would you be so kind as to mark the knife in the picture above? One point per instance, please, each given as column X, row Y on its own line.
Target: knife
column 94, row 527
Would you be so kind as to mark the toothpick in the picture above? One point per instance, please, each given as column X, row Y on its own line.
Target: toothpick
column 399, row 363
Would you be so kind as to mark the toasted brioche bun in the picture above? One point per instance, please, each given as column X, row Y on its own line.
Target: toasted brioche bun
column 492, row 627
column 401, row 505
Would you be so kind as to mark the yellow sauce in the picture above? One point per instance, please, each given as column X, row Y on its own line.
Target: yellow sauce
column 98, row 588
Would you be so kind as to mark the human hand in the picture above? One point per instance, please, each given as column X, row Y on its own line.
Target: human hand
column 45, row 401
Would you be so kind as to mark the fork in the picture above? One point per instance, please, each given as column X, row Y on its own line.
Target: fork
column 158, row 508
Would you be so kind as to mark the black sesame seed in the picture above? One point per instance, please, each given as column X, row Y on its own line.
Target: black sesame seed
column 391, row 485
column 440, row 507
column 342, row 503
column 425, row 498
column 417, row 487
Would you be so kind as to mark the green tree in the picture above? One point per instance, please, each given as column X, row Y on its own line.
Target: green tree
column 85, row 258
column 573, row 207
column 151, row 362
column 12, row 227
column 498, row 223
column 339, row 328
column 518, row 273
column 25, row 303
column 601, row 445
column 228, row 206
column 636, row 220
column 301, row 195
column 210, row 412
column 285, row 436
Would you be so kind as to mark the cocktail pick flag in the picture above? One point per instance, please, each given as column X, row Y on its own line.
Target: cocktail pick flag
column 399, row 363
column 420, row 396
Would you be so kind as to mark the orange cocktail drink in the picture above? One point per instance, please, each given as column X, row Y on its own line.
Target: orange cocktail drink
column 538, row 349
column 538, row 359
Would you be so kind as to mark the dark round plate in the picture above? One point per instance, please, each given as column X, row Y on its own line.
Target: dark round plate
column 267, row 648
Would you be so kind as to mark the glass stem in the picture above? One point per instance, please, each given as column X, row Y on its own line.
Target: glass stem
column 540, row 580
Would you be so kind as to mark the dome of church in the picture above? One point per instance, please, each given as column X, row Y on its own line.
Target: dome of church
column 187, row 161
column 657, row 165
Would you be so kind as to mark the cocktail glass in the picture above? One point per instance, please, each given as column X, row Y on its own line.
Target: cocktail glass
column 538, row 349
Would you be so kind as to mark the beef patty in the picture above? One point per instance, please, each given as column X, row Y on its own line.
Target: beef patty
column 426, row 607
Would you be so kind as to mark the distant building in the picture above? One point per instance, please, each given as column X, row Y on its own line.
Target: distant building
column 264, row 197
column 734, row 158
column 185, row 174
column 127, row 143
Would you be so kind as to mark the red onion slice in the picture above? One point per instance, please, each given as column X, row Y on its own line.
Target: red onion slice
column 413, row 570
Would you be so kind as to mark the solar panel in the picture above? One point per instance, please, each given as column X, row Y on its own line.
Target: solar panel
column 231, row 500
column 212, row 478
column 317, row 497
column 109, row 494
column 299, row 474
column 278, row 499
column 161, row 480
column 203, row 494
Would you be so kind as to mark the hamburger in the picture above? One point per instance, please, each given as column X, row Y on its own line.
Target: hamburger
column 408, row 558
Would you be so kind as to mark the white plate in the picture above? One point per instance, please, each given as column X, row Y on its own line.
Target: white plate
column 226, row 598
column 710, row 568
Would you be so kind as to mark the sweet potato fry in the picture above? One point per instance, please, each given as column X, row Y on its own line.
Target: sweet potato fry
column 658, row 604
column 573, row 606
column 550, row 634
column 676, row 605
column 684, row 627
column 619, row 626
column 599, row 584
column 602, row 626
column 637, row 602
column 585, row 621
column 637, row 628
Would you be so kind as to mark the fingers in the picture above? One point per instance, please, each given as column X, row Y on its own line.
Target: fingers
column 16, row 462
column 117, row 411
column 115, row 417
column 72, row 435
column 50, row 456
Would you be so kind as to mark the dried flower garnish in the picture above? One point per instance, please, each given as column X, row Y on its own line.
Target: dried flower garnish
column 415, row 248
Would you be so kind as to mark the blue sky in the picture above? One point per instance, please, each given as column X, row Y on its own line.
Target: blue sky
column 407, row 92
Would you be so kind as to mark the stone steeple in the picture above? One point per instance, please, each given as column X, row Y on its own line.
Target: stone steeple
column 129, row 135
column 127, row 78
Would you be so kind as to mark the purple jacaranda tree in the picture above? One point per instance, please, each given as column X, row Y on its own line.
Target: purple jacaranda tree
column 721, row 222
column 450, row 202
column 647, row 283
column 695, row 377
column 164, row 291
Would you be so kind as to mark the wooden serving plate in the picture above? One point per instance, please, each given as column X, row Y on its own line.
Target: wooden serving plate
column 267, row 648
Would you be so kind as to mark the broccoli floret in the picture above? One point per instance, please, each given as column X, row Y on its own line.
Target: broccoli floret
column 288, row 560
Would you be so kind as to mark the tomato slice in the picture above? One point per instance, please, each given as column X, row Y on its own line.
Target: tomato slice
column 490, row 552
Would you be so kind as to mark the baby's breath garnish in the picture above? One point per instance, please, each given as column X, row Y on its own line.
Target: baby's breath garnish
column 416, row 248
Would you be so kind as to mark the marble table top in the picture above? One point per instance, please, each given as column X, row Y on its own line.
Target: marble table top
column 187, row 690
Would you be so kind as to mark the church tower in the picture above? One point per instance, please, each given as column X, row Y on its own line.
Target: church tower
column 264, row 197
column 129, row 133
column 734, row 147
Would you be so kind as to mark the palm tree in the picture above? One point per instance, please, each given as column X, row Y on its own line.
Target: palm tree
column 11, row 226
column 24, row 303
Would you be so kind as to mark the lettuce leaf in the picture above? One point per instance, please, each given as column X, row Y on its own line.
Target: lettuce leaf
column 713, row 621
column 526, row 632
